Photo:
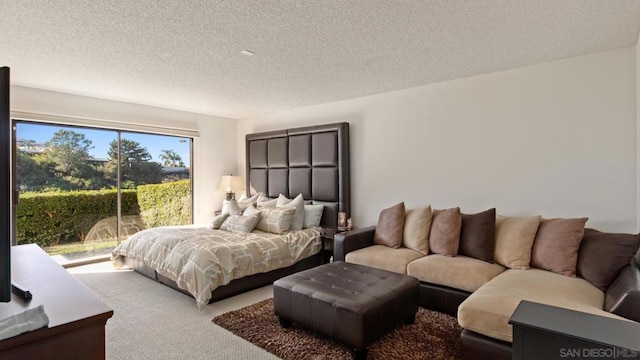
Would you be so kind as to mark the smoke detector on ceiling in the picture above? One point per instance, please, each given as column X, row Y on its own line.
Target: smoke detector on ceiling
column 247, row 52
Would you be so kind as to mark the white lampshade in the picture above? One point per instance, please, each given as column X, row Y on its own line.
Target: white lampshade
column 230, row 184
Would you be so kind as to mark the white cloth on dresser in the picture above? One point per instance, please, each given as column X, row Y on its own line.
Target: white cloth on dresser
column 28, row 320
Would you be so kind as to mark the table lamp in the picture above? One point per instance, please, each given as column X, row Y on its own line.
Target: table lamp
column 230, row 184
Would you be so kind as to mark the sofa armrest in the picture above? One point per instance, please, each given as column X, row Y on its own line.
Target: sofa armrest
column 623, row 296
column 345, row 242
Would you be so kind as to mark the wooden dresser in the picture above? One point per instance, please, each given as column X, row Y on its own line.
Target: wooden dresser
column 77, row 318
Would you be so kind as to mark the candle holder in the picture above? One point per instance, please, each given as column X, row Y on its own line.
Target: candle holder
column 342, row 219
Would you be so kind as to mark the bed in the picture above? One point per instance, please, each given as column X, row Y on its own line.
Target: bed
column 210, row 265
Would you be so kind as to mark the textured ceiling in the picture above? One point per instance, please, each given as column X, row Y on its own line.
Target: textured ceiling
column 186, row 54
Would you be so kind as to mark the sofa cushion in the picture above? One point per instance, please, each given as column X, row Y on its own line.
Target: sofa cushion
column 487, row 311
column 460, row 272
column 383, row 257
column 417, row 223
column 514, row 239
column 555, row 247
column 444, row 237
column 478, row 235
column 602, row 255
column 390, row 226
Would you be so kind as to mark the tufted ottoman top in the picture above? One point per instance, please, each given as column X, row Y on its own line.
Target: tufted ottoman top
column 350, row 286
column 350, row 303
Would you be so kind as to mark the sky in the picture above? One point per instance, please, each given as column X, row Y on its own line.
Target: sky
column 100, row 140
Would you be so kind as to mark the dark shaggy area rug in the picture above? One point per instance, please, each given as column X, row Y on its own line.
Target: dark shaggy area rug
column 433, row 336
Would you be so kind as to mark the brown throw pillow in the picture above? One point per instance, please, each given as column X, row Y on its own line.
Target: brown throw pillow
column 444, row 237
column 514, row 240
column 555, row 247
column 417, row 224
column 390, row 227
column 602, row 255
column 478, row 235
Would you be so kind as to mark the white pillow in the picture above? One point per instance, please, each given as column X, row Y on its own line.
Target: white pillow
column 231, row 207
column 298, row 216
column 264, row 201
column 245, row 202
column 312, row 215
column 217, row 221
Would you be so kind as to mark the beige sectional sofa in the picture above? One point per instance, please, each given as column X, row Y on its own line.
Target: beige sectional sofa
column 550, row 261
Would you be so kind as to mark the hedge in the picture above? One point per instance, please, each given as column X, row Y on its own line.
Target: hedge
column 59, row 217
column 165, row 204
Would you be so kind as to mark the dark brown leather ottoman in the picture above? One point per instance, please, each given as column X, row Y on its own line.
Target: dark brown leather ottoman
column 349, row 303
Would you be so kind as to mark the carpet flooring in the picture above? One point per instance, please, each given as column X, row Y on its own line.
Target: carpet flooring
column 432, row 336
column 154, row 322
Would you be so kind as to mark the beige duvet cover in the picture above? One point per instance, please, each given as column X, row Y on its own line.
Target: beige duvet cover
column 199, row 259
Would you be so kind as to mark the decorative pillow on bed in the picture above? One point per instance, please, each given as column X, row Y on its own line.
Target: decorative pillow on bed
column 264, row 201
column 275, row 220
column 312, row 215
column 245, row 202
column 217, row 221
column 240, row 224
column 231, row 207
column 298, row 204
column 251, row 211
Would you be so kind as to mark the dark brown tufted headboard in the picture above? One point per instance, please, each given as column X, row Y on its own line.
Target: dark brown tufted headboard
column 311, row 160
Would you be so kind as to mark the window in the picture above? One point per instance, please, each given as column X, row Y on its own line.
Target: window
column 84, row 190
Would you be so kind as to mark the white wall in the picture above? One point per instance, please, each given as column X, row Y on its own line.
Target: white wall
column 556, row 139
column 638, row 134
column 214, row 151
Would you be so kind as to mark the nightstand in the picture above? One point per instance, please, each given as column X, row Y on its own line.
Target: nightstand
column 327, row 242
